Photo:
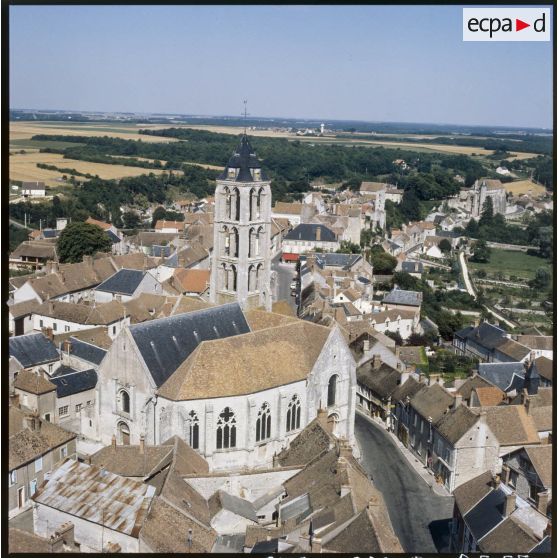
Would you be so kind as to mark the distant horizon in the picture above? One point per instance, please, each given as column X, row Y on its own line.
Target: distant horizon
column 375, row 63
column 288, row 118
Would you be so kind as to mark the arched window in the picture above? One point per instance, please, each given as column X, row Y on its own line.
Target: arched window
column 331, row 390
column 232, row 278
column 257, row 241
column 259, row 203
column 252, row 199
column 251, row 236
column 193, row 430
column 263, row 423
column 228, row 202
column 124, row 401
column 234, row 243
column 226, row 241
column 251, row 278
column 124, row 433
column 293, row 414
column 226, row 429
column 236, row 208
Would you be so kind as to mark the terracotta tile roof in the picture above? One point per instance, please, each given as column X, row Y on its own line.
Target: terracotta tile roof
column 261, row 319
column 102, row 224
column 187, row 304
column 287, row 208
column 35, row 249
column 372, row 186
column 489, row 396
column 537, row 342
column 471, row 383
column 163, row 224
column 147, row 306
column 255, row 362
column 432, row 402
column 468, row 494
column 85, row 314
column 545, row 368
column 511, row 424
column 33, row 383
column 499, row 539
column 456, row 423
column 541, row 458
column 192, row 280
column 26, row 445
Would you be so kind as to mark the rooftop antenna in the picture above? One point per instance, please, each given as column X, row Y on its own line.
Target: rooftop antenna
column 245, row 114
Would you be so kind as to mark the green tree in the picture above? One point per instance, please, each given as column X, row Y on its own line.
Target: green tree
column 382, row 262
column 481, row 252
column 158, row 214
column 130, row 220
column 348, row 248
column 487, row 212
column 395, row 335
column 445, row 245
column 81, row 239
column 541, row 280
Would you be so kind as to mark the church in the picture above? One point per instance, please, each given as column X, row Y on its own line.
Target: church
column 234, row 380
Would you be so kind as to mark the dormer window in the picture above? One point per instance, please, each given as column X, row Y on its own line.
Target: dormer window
column 257, row 174
column 231, row 173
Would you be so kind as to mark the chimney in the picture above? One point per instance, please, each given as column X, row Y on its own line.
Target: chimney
column 366, row 346
column 66, row 346
column 528, row 405
column 509, row 504
column 33, row 423
column 524, row 396
column 50, row 307
column 113, row 441
column 458, row 400
column 318, row 233
column 542, row 501
column 47, row 332
column 14, row 400
column 398, row 365
column 142, row 444
column 63, row 538
column 397, row 350
column 112, row 548
column 376, row 362
column 505, row 474
column 496, row 481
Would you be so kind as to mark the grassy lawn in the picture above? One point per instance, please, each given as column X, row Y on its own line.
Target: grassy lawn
column 511, row 263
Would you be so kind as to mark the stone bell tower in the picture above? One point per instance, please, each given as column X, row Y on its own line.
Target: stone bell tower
column 241, row 262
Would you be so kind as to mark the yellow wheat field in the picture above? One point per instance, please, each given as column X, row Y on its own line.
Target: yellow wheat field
column 23, row 166
column 525, row 187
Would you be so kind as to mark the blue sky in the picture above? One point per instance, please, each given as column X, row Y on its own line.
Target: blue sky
column 376, row 63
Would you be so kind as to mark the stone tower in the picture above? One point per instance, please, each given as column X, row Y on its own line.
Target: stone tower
column 241, row 262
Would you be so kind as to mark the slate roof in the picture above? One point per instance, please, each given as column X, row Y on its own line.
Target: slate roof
column 308, row 232
column 114, row 239
column 482, row 518
column 244, row 158
column 70, row 381
column 33, row 349
column 166, row 343
column 407, row 298
column 86, row 351
column 505, row 375
column 160, row 251
column 485, row 334
column 412, row 267
column 124, row 281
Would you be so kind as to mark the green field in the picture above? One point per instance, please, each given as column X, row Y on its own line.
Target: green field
column 37, row 144
column 511, row 263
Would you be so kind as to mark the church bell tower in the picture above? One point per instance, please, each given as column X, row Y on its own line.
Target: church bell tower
column 241, row 262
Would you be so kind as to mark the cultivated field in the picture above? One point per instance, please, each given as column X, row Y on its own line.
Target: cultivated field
column 525, row 187
column 24, row 167
column 25, row 130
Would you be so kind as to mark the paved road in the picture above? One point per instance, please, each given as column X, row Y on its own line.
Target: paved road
column 419, row 516
column 285, row 274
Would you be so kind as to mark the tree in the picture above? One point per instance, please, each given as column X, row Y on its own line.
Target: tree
column 349, row 248
column 158, row 214
column 395, row 336
column 81, row 239
column 481, row 252
column 541, row 280
column 130, row 220
column 445, row 245
column 487, row 212
column 382, row 262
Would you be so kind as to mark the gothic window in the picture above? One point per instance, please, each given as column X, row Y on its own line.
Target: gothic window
column 251, row 278
column 124, row 433
column 259, row 271
column 263, row 423
column 228, row 202
column 253, row 199
column 331, row 390
column 232, row 278
column 193, row 430
column 293, row 414
column 222, row 276
column 226, row 429
column 257, row 241
column 226, row 241
column 259, row 201
column 236, row 204
column 123, row 401
column 251, row 243
column 234, row 243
